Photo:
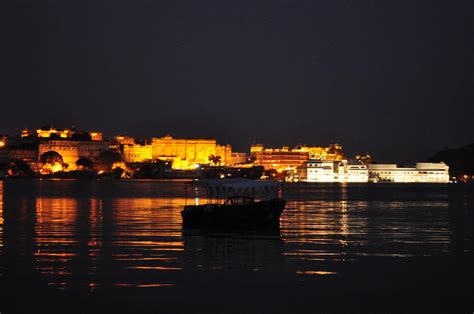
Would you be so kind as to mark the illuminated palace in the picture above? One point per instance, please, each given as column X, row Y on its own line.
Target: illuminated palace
column 189, row 153
column 70, row 144
column 333, row 171
column 132, row 151
column 355, row 171
column 423, row 172
column 72, row 151
column 54, row 133
column 286, row 158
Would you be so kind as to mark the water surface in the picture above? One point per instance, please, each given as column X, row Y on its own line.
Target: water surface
column 91, row 246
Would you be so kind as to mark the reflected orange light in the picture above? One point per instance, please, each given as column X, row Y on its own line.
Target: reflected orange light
column 1, row 217
column 316, row 272
column 55, row 233
column 155, row 268
column 147, row 285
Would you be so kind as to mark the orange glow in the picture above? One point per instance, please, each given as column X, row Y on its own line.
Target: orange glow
column 25, row 133
column 96, row 136
column 289, row 159
column 146, row 285
column 57, row 167
column 68, row 229
column 137, row 153
column 1, row 217
column 315, row 272
column 47, row 133
column 155, row 268
column 48, row 168
column 187, row 153
column 2, row 144
column 71, row 151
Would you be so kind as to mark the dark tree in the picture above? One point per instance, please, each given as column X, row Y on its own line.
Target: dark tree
column 108, row 158
column 85, row 163
column 51, row 157
column 54, row 136
column 152, row 170
column 22, row 168
column 117, row 173
column 15, row 167
column 215, row 160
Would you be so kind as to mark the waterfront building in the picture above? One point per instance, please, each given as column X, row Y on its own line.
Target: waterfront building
column 333, row 171
column 137, row 153
column 343, row 171
column 124, row 140
column 282, row 159
column 71, row 151
column 190, row 153
column 365, row 159
column 51, row 132
column 423, row 172
column 331, row 152
column 47, row 132
column 238, row 158
column 287, row 159
column 28, row 155
column 96, row 136
column 225, row 154
column 15, row 149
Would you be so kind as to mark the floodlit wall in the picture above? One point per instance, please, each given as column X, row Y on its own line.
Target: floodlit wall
column 137, row 153
column 189, row 153
column 71, row 151
column 335, row 171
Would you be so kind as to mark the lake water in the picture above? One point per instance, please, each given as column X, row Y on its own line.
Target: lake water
column 118, row 246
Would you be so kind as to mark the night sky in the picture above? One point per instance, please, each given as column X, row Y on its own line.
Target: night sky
column 390, row 77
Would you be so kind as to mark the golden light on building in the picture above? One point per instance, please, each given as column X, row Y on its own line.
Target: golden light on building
column 286, row 158
column 48, row 168
column 96, row 136
column 57, row 167
column 72, row 151
column 47, row 133
column 124, row 140
column 256, row 148
column 189, row 153
column 25, row 133
column 137, row 153
column 53, row 132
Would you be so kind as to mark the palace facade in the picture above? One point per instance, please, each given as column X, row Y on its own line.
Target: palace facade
column 190, row 153
column 423, row 172
column 288, row 159
column 333, row 171
column 71, row 151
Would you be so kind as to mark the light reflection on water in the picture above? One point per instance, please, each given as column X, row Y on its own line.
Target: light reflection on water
column 90, row 236
column 2, row 271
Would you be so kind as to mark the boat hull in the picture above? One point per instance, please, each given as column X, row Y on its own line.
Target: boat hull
column 256, row 215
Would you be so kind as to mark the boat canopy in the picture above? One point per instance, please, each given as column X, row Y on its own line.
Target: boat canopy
column 223, row 188
column 236, row 184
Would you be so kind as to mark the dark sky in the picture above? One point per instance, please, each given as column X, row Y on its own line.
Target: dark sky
column 390, row 77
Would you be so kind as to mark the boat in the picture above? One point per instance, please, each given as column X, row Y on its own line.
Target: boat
column 234, row 204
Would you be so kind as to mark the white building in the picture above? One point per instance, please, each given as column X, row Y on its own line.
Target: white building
column 423, row 172
column 334, row 171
